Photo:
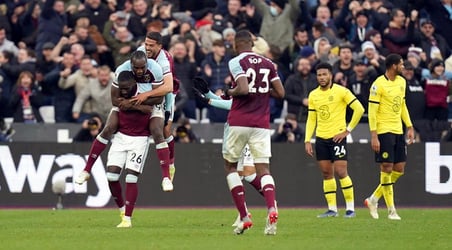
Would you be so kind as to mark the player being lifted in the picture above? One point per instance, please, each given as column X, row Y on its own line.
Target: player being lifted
column 148, row 75
column 170, row 87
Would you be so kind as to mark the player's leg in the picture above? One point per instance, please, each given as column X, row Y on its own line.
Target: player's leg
column 340, row 169
column 113, row 174
column 260, row 148
column 98, row 145
column 325, row 156
column 136, row 155
column 117, row 156
column 169, row 111
column 156, row 125
column 232, row 147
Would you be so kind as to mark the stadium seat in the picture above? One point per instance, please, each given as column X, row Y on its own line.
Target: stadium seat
column 47, row 113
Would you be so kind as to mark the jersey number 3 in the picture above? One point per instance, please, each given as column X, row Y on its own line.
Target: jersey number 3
column 263, row 77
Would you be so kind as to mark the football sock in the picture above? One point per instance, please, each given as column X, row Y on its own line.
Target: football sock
column 238, row 193
column 268, row 189
column 163, row 154
column 329, row 190
column 131, row 193
column 378, row 191
column 170, row 141
column 255, row 182
column 97, row 147
column 116, row 192
column 347, row 190
column 387, row 190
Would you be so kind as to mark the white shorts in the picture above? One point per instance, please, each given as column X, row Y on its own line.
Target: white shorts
column 246, row 159
column 235, row 139
column 158, row 111
column 128, row 151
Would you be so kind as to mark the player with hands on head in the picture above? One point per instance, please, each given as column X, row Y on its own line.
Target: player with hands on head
column 327, row 117
column 387, row 114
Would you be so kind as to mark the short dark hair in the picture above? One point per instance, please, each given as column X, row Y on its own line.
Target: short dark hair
column 392, row 59
column 126, row 76
column 243, row 35
column 156, row 36
column 138, row 55
column 324, row 65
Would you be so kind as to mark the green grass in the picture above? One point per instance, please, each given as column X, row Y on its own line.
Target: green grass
column 211, row 229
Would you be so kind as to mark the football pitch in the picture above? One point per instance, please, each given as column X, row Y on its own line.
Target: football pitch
column 205, row 228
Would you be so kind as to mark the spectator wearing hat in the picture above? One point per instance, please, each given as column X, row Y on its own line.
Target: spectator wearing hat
column 297, row 86
column 372, row 59
column 228, row 37
column 417, row 57
column 277, row 21
column 439, row 12
column 434, row 45
column 44, row 65
column 437, row 88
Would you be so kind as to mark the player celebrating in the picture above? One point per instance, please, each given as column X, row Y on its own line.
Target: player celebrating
column 128, row 149
column 170, row 87
column 254, row 80
column 245, row 165
column 387, row 110
column 147, row 73
column 326, row 115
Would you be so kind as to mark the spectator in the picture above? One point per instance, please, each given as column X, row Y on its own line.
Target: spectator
column 185, row 70
column 356, row 25
column 277, row 21
column 289, row 131
column 26, row 100
column 6, row 44
column 83, row 38
column 184, row 134
column 398, row 37
column 91, row 127
column 359, row 84
column 298, row 86
column 437, row 89
column 434, row 45
column 121, row 45
column 141, row 13
column 97, row 12
column 295, row 49
column 64, row 98
column 372, row 60
column 415, row 97
column 97, row 92
column 26, row 61
column 52, row 23
column 214, row 69
column 238, row 19
column 343, row 68
column 374, row 36
column 78, row 81
column 29, row 23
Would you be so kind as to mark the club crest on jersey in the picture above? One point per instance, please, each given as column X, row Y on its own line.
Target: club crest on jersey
column 147, row 78
column 373, row 90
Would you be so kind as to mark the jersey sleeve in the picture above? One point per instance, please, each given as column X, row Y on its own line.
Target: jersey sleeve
column 311, row 121
column 235, row 68
column 374, row 102
column 156, row 70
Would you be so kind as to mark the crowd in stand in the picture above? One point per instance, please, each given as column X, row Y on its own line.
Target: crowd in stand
column 61, row 53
